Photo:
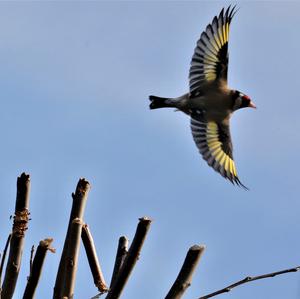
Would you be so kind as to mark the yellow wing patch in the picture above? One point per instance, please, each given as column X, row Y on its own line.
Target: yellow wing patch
column 214, row 143
column 219, row 36
column 209, row 61
column 215, row 147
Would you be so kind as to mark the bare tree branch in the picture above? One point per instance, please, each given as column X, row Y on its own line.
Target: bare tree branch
column 91, row 254
column 36, row 267
column 78, row 207
column 120, row 257
column 31, row 260
column 131, row 259
column 248, row 279
column 20, row 224
column 72, row 257
column 184, row 278
column 3, row 259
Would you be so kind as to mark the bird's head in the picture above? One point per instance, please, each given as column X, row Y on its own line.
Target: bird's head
column 240, row 100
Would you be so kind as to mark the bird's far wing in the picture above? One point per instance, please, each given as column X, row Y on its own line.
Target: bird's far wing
column 210, row 60
column 214, row 143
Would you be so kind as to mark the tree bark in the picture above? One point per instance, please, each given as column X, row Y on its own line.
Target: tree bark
column 3, row 260
column 131, row 259
column 184, row 278
column 63, row 284
column 36, row 269
column 93, row 260
column 120, row 257
column 20, row 226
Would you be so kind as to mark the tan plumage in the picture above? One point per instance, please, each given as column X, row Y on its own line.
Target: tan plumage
column 210, row 102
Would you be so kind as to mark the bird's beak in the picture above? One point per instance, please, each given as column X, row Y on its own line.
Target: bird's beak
column 252, row 105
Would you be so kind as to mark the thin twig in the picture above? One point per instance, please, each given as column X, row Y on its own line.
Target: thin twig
column 97, row 296
column 36, row 268
column 184, row 278
column 71, row 245
column 91, row 254
column 248, row 279
column 20, row 225
column 3, row 259
column 131, row 259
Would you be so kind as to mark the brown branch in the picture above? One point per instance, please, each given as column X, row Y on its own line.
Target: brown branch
column 248, row 279
column 120, row 257
column 131, row 259
column 184, row 278
column 3, row 259
column 72, row 258
column 71, row 245
column 20, row 224
column 91, row 254
column 36, row 267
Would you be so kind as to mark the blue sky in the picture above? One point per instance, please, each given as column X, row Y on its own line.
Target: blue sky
column 74, row 84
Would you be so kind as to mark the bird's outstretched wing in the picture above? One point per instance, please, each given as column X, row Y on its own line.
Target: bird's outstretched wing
column 214, row 143
column 210, row 60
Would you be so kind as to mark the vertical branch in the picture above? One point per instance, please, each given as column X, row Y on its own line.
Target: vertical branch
column 120, row 257
column 184, row 278
column 72, row 258
column 77, row 211
column 91, row 254
column 3, row 259
column 20, row 225
column 31, row 260
column 36, row 268
column 131, row 259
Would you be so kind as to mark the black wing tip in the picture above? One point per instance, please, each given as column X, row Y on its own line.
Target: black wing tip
column 234, row 10
column 226, row 14
column 229, row 13
column 221, row 14
column 233, row 179
column 236, row 181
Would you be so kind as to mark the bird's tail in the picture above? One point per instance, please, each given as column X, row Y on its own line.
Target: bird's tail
column 158, row 102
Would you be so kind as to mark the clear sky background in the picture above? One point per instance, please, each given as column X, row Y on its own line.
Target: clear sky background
column 74, row 84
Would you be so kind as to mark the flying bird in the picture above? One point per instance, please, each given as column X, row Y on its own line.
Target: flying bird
column 210, row 102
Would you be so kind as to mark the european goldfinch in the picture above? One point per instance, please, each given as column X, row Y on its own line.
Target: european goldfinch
column 210, row 102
